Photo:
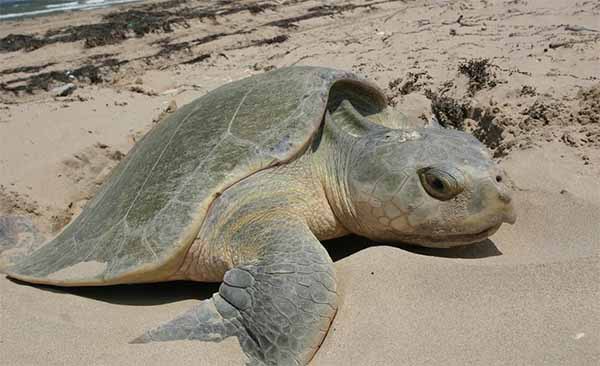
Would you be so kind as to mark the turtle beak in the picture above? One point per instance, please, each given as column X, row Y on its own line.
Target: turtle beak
column 510, row 216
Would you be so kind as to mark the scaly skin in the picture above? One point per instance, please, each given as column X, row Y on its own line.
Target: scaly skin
column 261, row 236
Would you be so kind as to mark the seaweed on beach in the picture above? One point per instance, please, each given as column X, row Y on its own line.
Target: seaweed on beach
column 99, row 66
column 266, row 41
column 15, row 42
column 463, row 116
column 448, row 111
column 411, row 82
column 479, row 74
column 314, row 12
column 162, row 17
column 141, row 22
column 97, row 34
column 118, row 26
column 196, row 59
column 26, row 69
column 91, row 73
column 167, row 48
column 323, row 11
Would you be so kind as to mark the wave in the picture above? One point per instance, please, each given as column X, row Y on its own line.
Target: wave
column 62, row 5
column 51, row 8
column 7, row 2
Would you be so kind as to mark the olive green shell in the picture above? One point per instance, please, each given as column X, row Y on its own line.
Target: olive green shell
column 139, row 225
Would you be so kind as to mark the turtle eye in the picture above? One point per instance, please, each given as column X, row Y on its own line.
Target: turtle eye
column 439, row 184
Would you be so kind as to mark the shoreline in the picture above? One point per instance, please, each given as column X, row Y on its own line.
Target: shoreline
column 71, row 8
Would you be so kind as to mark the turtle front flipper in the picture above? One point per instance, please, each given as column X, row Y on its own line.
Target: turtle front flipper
column 279, row 304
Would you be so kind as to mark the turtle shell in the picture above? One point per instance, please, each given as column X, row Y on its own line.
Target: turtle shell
column 144, row 218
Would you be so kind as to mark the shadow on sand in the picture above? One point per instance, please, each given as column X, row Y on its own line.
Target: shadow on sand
column 168, row 292
column 344, row 247
column 140, row 294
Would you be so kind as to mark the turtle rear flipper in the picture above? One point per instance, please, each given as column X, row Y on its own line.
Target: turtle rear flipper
column 203, row 322
column 279, row 305
column 19, row 237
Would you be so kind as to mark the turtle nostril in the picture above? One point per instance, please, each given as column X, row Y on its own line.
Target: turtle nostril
column 498, row 178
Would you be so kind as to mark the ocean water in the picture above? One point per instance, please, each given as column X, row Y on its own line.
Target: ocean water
column 14, row 9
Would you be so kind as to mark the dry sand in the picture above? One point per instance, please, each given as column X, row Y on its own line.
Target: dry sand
column 528, row 296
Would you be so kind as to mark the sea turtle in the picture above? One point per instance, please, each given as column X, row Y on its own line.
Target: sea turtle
column 241, row 185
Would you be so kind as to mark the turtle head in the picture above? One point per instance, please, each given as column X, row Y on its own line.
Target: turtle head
column 433, row 187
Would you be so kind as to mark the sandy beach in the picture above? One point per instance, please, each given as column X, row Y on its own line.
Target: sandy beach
column 522, row 76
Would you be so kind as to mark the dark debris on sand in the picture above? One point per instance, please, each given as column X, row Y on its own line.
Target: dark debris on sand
column 479, row 73
column 138, row 21
column 463, row 116
column 90, row 73
column 323, row 11
column 118, row 26
column 26, row 69
column 15, row 42
column 162, row 17
column 411, row 82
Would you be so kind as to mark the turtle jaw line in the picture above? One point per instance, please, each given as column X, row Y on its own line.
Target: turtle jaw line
column 449, row 240
column 477, row 237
